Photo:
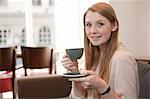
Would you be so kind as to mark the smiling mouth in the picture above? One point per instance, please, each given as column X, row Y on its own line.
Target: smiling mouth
column 95, row 37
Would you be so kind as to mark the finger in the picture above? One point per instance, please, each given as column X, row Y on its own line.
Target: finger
column 65, row 55
column 66, row 63
column 65, row 59
column 69, row 63
column 87, row 72
column 87, row 84
column 70, row 67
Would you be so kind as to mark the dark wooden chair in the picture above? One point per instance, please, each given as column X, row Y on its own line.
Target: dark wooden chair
column 43, row 87
column 144, row 80
column 7, row 68
column 37, row 58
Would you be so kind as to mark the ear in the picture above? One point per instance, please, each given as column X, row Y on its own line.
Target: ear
column 114, row 26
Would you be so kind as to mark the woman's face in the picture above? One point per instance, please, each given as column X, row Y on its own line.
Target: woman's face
column 98, row 28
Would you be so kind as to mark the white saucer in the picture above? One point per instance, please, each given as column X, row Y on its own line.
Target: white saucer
column 74, row 76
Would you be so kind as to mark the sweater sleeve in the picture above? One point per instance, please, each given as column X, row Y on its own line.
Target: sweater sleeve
column 125, row 76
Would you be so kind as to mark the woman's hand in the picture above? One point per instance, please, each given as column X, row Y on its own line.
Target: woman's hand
column 92, row 81
column 69, row 64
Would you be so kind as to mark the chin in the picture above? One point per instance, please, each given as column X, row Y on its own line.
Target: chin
column 96, row 44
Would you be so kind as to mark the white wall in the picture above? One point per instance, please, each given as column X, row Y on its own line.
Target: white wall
column 149, row 27
column 69, row 22
column 134, row 21
column 13, row 16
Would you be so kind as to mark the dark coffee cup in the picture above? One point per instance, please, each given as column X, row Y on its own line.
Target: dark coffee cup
column 75, row 53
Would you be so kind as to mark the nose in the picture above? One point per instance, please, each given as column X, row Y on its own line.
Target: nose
column 94, row 29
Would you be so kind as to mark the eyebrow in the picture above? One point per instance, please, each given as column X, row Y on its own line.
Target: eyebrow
column 100, row 20
column 96, row 21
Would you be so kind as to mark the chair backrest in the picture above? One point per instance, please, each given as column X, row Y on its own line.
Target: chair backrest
column 144, row 81
column 7, row 58
column 37, row 58
column 43, row 87
column 7, row 63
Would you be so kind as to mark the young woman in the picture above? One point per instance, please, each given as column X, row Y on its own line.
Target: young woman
column 112, row 71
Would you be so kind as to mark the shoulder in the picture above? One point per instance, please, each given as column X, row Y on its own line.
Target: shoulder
column 123, row 58
column 121, row 54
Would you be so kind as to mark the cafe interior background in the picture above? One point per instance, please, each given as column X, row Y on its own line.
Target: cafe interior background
column 58, row 24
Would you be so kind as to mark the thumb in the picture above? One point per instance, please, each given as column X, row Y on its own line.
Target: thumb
column 87, row 72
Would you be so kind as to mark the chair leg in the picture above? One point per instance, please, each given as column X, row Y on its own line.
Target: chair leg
column 14, row 96
column 25, row 71
column 13, row 86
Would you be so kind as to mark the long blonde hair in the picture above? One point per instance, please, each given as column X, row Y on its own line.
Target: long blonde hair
column 93, row 53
